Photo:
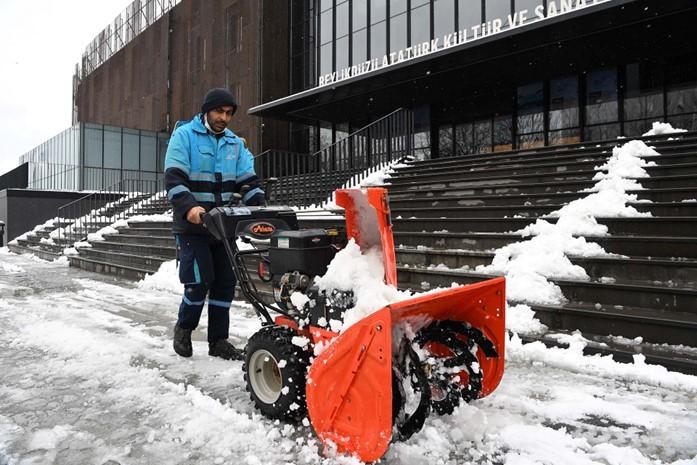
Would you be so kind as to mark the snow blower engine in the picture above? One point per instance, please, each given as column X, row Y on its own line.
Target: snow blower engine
column 377, row 380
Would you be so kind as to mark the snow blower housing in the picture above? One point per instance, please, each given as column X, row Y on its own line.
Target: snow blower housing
column 378, row 379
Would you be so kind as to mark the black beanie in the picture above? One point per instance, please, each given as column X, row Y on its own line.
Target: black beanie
column 216, row 98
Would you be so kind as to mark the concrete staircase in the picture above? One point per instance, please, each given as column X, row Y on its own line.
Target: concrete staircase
column 451, row 214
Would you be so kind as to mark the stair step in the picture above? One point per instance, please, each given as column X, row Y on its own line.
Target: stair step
column 151, row 263
column 685, row 143
column 144, row 249
column 128, row 272
column 398, row 201
column 670, row 357
column 507, row 186
column 683, row 226
column 650, row 246
column 657, row 297
column 529, row 211
column 665, row 165
column 653, row 325
column 653, row 271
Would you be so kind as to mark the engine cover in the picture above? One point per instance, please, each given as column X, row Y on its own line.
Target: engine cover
column 307, row 251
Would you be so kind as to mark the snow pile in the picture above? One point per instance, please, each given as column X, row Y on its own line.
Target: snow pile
column 363, row 273
column 99, row 235
column 521, row 319
column 48, row 224
column 528, row 265
column 9, row 268
column 166, row 278
column 658, row 129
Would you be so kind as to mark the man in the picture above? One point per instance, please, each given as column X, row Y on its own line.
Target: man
column 205, row 164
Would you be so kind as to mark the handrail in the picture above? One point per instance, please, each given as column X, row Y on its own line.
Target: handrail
column 310, row 179
column 90, row 213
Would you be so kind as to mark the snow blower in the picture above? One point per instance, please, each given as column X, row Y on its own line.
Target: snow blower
column 378, row 379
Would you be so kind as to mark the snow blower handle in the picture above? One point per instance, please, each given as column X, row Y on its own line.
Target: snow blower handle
column 268, row 187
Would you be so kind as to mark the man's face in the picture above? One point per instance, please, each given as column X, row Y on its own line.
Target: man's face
column 219, row 118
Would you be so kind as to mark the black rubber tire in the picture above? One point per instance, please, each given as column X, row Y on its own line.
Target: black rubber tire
column 277, row 342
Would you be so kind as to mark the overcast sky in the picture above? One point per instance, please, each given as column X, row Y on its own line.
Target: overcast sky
column 40, row 43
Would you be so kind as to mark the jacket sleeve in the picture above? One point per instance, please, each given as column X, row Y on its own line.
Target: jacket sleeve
column 177, row 169
column 246, row 175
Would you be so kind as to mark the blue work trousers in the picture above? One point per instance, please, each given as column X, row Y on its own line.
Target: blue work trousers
column 205, row 271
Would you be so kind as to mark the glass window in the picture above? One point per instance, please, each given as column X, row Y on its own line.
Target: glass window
column 360, row 46
column 601, row 96
column 643, row 92
column 325, row 135
column 482, row 136
column 360, row 14
column 378, row 34
column 528, row 7
column 688, row 121
column 326, row 26
column 93, row 146
column 397, row 7
column 503, row 133
column 682, row 100
column 469, row 14
column 602, row 132
column 398, row 32
column 445, row 141
column 563, row 103
column 112, row 148
column 420, row 24
column 377, row 11
column 415, row 3
column 443, row 17
column 565, row 136
column 342, row 53
column 325, row 4
column 131, row 150
column 530, row 108
column 342, row 19
column 464, row 139
column 148, row 156
column 325, row 58
column 497, row 9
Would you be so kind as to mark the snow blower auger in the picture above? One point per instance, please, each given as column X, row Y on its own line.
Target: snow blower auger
column 377, row 380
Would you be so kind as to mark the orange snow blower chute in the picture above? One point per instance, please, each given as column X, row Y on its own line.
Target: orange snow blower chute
column 351, row 385
column 379, row 379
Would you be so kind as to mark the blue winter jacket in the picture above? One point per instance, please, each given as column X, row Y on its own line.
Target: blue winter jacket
column 204, row 170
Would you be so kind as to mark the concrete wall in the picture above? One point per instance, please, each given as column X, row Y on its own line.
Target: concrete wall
column 191, row 48
column 22, row 209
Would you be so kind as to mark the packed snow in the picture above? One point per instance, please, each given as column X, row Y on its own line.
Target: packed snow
column 530, row 265
column 659, row 128
column 89, row 376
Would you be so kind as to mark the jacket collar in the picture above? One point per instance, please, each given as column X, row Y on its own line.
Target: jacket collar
column 198, row 126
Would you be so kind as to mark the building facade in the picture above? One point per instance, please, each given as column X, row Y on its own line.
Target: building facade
column 152, row 79
column 489, row 75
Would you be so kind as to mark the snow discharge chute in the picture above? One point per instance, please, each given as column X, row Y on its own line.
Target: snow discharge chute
column 377, row 373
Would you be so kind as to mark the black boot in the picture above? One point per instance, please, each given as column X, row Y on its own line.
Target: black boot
column 223, row 349
column 182, row 341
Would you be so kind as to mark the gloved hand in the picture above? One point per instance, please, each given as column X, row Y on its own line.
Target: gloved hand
column 257, row 200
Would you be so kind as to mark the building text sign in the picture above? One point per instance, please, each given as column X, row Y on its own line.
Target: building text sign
column 479, row 31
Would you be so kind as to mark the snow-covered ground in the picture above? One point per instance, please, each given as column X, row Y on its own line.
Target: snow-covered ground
column 89, row 377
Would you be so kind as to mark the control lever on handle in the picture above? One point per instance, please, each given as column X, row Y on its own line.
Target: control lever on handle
column 234, row 200
column 268, row 186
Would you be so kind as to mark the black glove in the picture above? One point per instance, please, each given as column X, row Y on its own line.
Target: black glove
column 257, row 200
